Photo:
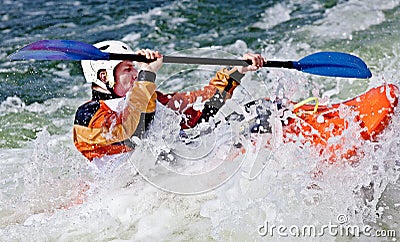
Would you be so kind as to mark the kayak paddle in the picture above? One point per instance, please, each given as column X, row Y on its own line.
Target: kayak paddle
column 334, row 64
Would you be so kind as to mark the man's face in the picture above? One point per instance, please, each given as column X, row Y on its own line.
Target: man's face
column 125, row 75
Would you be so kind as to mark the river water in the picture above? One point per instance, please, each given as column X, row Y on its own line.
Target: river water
column 42, row 174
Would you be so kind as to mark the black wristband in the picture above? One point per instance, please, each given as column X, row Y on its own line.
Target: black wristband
column 146, row 76
column 237, row 76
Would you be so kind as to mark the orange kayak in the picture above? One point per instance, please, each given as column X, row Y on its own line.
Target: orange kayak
column 332, row 131
column 368, row 115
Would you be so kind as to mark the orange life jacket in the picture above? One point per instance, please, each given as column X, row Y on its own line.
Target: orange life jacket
column 104, row 127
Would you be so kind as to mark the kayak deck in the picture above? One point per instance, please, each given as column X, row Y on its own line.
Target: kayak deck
column 371, row 110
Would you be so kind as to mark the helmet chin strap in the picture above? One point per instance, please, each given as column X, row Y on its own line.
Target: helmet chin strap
column 111, row 90
column 109, row 86
column 106, row 86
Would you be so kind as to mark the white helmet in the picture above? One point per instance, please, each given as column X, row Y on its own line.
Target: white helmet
column 91, row 68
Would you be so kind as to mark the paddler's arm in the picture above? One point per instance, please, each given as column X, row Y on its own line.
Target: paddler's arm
column 141, row 100
column 226, row 82
column 214, row 94
column 227, row 79
column 186, row 102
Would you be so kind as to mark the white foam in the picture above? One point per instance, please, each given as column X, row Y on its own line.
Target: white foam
column 274, row 16
column 132, row 37
column 350, row 16
column 124, row 205
column 12, row 104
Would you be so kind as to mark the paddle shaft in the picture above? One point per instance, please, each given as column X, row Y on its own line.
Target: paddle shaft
column 335, row 64
column 201, row 61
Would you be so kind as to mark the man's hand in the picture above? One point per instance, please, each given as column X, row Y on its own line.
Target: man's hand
column 151, row 55
column 257, row 60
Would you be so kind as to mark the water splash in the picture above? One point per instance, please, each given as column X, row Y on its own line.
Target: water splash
column 49, row 179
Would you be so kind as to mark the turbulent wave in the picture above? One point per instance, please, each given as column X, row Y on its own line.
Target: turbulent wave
column 44, row 180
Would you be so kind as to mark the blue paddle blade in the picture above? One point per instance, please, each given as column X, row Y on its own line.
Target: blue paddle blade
column 334, row 64
column 59, row 50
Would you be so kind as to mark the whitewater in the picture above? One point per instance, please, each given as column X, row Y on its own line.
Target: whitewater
column 210, row 191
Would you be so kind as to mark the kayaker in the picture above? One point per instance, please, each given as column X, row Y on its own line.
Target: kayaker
column 124, row 101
